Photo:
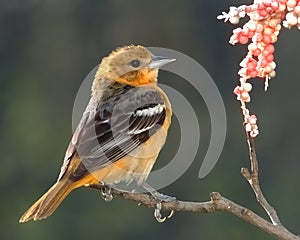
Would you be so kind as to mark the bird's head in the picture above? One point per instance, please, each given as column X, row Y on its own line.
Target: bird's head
column 133, row 65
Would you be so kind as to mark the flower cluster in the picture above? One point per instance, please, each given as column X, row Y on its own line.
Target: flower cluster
column 251, row 126
column 260, row 33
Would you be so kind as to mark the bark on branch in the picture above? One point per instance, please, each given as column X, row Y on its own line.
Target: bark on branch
column 217, row 203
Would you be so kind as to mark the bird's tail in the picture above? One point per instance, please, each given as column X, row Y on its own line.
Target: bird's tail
column 48, row 203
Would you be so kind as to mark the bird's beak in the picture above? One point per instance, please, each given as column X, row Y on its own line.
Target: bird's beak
column 158, row 61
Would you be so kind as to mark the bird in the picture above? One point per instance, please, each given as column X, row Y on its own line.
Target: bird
column 121, row 132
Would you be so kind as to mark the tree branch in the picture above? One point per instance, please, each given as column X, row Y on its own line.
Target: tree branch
column 217, row 203
column 253, row 179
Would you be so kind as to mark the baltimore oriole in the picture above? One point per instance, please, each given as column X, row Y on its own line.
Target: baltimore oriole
column 121, row 132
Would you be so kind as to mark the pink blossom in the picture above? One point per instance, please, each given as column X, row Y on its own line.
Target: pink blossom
column 260, row 33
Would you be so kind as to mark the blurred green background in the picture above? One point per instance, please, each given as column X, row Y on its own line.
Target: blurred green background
column 47, row 47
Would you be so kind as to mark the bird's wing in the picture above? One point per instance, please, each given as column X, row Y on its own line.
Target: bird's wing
column 71, row 150
column 120, row 124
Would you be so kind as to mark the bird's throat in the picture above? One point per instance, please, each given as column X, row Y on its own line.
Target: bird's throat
column 140, row 77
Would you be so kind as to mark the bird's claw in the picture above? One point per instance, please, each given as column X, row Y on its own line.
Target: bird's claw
column 157, row 211
column 160, row 198
column 158, row 215
column 106, row 193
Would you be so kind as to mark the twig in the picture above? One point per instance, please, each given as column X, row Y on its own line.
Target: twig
column 217, row 203
column 253, row 179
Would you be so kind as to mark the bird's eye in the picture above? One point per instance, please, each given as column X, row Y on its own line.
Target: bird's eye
column 135, row 63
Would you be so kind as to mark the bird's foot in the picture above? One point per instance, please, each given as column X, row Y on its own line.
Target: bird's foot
column 163, row 197
column 106, row 193
column 160, row 199
column 157, row 213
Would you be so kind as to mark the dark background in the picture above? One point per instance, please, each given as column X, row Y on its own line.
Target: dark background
column 46, row 50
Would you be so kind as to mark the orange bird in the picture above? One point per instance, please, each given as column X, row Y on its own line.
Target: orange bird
column 121, row 132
